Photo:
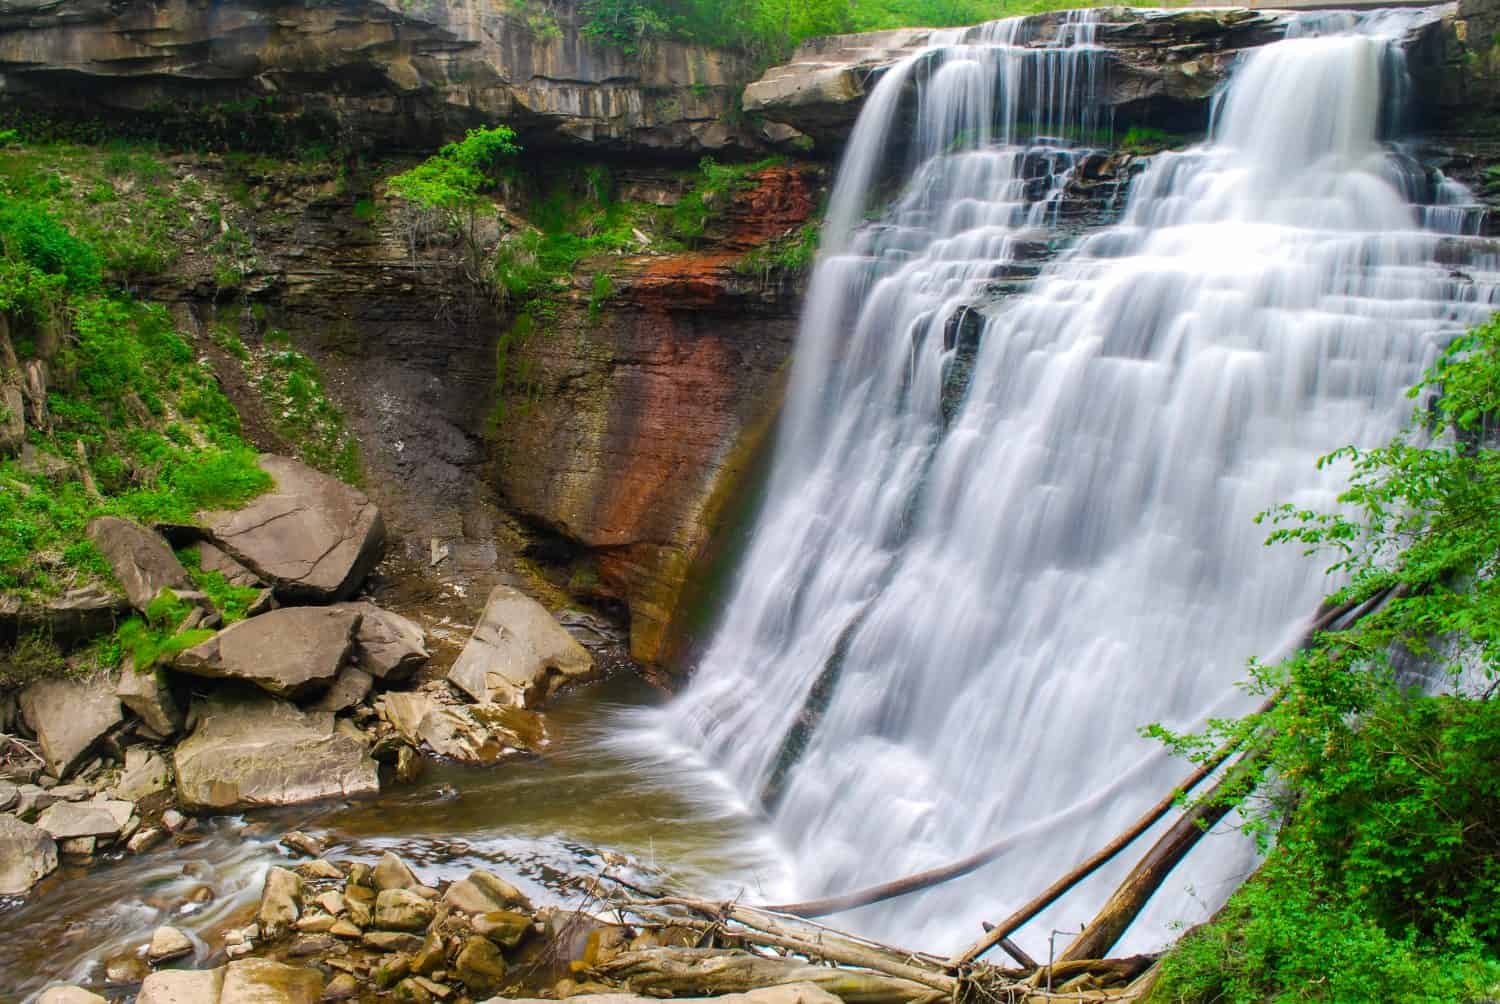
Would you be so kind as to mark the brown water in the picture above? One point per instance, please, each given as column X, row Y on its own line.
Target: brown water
column 536, row 821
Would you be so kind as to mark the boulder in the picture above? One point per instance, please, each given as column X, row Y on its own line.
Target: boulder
column 69, row 995
column 392, row 873
column 144, row 775
column 481, row 966
column 402, row 910
column 518, row 653
column 140, row 559
column 212, row 559
column 349, row 688
column 388, row 646
column 505, row 928
column 70, row 619
column 168, row 943
column 280, row 901
column 70, row 820
column 145, row 692
column 485, row 892
column 292, row 652
column 69, row 717
column 27, row 854
column 251, row 749
column 182, row 986
column 312, row 537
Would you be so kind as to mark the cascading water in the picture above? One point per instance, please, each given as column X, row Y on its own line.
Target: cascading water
column 953, row 617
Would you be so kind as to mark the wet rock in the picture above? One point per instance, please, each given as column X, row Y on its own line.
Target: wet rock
column 145, row 774
column 391, row 970
column 479, row 734
column 408, row 765
column 485, row 892
column 146, row 693
column 393, row 941
column 77, row 849
column 360, row 903
column 251, row 749
column 315, row 922
column 125, row 969
column 319, row 869
column 140, row 559
column 518, row 653
column 309, row 945
column 68, row 717
column 173, row 820
column 261, row 981
column 402, row 910
column 280, row 902
column 388, row 646
column 69, row 995
column 313, row 538
column 144, row 840
column 344, row 929
column 303, row 844
column 67, row 820
column 505, row 928
column 182, row 986
column 168, row 943
column 341, row 987
column 392, row 873
column 350, row 687
column 431, row 956
column 27, row 854
column 293, row 652
column 481, row 966
column 213, row 559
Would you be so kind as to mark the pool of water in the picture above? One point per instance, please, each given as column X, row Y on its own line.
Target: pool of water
column 586, row 803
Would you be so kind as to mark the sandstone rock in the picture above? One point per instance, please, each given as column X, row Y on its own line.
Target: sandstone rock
column 145, row 774
column 350, row 687
column 69, row 717
column 182, row 986
column 145, row 840
column 481, row 966
column 341, row 987
column 391, row 970
column 432, row 956
column 518, row 654
column 402, row 910
column 319, row 868
column 212, row 559
column 360, row 903
column 280, row 902
column 141, row 560
column 786, row 993
column 389, row 646
column 261, row 981
column 485, row 892
column 303, row 843
column 478, row 734
column 67, row 820
column 313, row 538
column 69, row 995
column 505, row 928
column 393, row 873
column 405, row 711
column 77, row 849
column 251, row 749
column 392, row 941
column 168, row 943
column 330, row 902
column 27, row 854
column 125, row 969
column 345, row 929
column 146, row 693
column 292, row 652
column 315, row 922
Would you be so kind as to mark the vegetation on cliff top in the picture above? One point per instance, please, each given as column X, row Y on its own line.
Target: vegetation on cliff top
column 1382, row 822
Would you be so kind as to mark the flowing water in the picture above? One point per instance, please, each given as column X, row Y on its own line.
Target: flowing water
column 953, row 617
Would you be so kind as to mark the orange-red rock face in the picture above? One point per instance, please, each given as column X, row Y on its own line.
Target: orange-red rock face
column 631, row 423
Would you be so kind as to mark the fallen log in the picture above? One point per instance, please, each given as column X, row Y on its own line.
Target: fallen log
column 698, row 972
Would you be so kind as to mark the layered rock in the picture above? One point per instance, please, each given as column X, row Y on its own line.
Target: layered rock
column 27, row 855
column 69, row 717
column 518, row 654
column 383, row 72
column 141, row 560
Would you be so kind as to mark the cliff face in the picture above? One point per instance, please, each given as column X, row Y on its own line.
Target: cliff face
column 368, row 73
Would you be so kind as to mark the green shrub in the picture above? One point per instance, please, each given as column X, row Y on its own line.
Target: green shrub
column 35, row 237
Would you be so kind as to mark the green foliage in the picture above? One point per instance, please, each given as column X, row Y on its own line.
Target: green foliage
column 301, row 412
column 789, row 254
column 600, row 290
column 713, row 188
column 33, row 236
column 156, row 639
column 233, row 602
column 1386, row 806
column 33, row 657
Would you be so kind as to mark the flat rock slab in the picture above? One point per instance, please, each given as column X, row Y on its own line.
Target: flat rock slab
column 68, row 717
column 251, row 749
column 518, row 653
column 292, row 652
column 388, row 646
column 313, row 538
column 27, row 855
column 69, row 820
column 213, row 559
column 140, row 559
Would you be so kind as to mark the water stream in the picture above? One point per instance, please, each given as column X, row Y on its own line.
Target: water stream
column 953, row 619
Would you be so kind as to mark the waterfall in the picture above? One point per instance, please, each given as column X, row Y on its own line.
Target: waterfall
column 976, row 577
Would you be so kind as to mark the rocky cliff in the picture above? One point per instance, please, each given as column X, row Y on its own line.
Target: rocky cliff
column 370, row 74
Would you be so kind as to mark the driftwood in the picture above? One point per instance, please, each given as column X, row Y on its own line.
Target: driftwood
column 699, row 972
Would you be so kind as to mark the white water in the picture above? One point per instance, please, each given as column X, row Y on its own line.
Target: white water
column 947, row 632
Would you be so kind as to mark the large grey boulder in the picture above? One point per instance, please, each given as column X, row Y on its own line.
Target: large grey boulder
column 27, row 855
column 388, row 646
column 69, row 717
column 69, row 820
column 312, row 537
column 250, row 749
column 292, row 652
column 518, row 653
column 140, row 559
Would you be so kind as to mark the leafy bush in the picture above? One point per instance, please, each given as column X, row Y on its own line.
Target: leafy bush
column 36, row 238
